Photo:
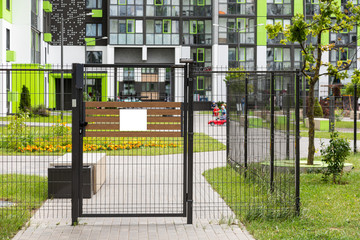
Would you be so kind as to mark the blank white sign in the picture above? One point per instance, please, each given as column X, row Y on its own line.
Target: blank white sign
column 133, row 119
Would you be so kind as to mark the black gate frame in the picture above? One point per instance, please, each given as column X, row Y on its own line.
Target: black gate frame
column 78, row 128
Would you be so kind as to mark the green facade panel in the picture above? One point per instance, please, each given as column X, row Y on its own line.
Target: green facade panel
column 261, row 19
column 98, row 13
column 10, row 56
column 47, row 37
column 33, row 80
column 299, row 6
column 4, row 12
column 47, row 6
column 90, row 41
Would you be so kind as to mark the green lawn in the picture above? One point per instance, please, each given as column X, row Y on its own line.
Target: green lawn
column 28, row 192
column 328, row 211
column 50, row 119
column 325, row 134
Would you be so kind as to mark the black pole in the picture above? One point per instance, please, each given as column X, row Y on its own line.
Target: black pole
column 185, row 126
column 246, row 124
column 288, row 101
column 227, row 121
column 304, row 113
column 355, row 116
column 190, row 148
column 115, row 83
column 297, row 144
column 272, row 132
column 77, row 97
column 332, row 114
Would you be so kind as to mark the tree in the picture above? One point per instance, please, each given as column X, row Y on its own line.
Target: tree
column 355, row 80
column 25, row 103
column 330, row 20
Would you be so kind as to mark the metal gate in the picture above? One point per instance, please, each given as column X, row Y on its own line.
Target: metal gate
column 131, row 156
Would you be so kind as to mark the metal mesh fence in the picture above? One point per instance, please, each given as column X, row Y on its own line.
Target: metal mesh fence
column 261, row 143
column 145, row 174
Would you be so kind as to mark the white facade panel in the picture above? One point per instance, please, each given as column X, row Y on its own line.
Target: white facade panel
column 324, row 80
column 261, row 58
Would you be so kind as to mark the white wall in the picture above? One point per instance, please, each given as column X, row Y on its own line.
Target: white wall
column 72, row 54
column 220, row 63
column 261, row 58
column 324, row 80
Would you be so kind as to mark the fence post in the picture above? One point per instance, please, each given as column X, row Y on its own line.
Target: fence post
column 185, row 123
column 304, row 112
column 288, row 101
column 355, row 115
column 331, row 114
column 190, row 146
column 77, row 112
column 272, row 132
column 297, row 144
column 246, row 124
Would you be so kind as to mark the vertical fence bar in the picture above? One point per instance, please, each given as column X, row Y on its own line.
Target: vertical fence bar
column 355, row 115
column 332, row 114
column 227, row 121
column 246, row 124
column 304, row 113
column 288, row 101
column 272, row 132
column 115, row 83
column 77, row 83
column 185, row 123
column 297, row 144
column 190, row 147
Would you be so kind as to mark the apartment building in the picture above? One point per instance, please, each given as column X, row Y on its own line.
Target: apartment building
column 215, row 33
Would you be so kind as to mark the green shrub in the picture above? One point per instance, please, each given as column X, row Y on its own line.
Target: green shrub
column 25, row 102
column 335, row 155
column 40, row 111
column 318, row 112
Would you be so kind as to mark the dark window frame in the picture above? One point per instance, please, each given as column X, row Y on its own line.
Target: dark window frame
column 88, row 56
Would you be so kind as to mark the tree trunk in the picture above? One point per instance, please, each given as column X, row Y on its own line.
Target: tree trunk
column 311, row 147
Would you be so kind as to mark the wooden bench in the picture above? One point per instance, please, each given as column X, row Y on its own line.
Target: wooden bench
column 96, row 160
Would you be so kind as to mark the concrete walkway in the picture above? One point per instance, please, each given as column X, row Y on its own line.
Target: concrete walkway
column 213, row 219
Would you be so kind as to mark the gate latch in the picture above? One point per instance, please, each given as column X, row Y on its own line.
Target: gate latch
column 83, row 124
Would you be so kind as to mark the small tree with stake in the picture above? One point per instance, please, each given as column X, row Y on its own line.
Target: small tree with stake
column 330, row 20
column 25, row 102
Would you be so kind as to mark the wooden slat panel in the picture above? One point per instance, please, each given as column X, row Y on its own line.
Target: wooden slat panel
column 116, row 112
column 149, row 127
column 132, row 134
column 116, row 119
column 134, row 104
column 102, row 119
column 164, row 119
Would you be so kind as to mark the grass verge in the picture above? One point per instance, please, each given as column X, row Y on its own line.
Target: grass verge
column 328, row 211
column 28, row 192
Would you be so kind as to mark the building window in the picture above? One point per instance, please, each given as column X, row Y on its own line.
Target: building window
column 93, row 4
column 196, row 8
column 235, row 30
column 162, row 32
column 94, row 57
column 35, row 47
column 243, row 57
column 149, row 70
column 342, row 56
column 312, row 7
column 197, row 32
column 126, row 8
column 344, row 37
column 129, row 74
column 94, row 30
column 202, row 87
column 8, row 5
column 280, row 36
column 7, row 39
column 279, row 7
column 161, row 8
column 278, row 58
column 202, row 57
column 237, row 7
column 126, row 31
